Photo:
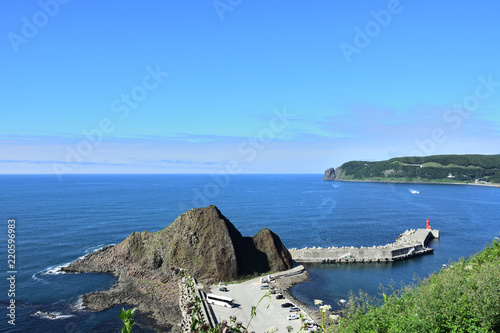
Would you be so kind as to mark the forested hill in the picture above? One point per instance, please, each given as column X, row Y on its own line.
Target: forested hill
column 436, row 168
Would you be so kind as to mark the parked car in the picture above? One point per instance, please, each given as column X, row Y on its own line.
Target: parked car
column 264, row 286
column 309, row 322
column 293, row 316
column 294, row 309
column 280, row 296
column 223, row 289
column 287, row 305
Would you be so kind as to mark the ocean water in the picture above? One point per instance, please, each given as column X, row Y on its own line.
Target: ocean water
column 59, row 221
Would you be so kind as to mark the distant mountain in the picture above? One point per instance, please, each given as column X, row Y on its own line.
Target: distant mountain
column 482, row 169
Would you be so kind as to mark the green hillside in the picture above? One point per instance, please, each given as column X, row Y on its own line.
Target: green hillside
column 436, row 168
column 462, row 298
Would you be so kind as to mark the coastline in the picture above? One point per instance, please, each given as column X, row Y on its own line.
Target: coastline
column 154, row 297
column 416, row 182
column 286, row 282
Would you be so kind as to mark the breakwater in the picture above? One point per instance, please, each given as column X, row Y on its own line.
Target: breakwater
column 409, row 244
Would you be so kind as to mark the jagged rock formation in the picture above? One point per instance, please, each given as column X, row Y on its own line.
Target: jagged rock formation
column 329, row 174
column 278, row 257
column 334, row 174
column 202, row 241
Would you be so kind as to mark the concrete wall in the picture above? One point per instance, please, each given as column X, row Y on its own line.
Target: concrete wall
column 414, row 243
column 358, row 254
column 188, row 294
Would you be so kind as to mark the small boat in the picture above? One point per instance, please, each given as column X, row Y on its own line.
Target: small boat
column 414, row 192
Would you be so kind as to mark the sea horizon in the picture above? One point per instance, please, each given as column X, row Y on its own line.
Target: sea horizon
column 58, row 222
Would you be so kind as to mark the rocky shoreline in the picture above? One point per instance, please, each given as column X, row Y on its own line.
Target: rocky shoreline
column 201, row 241
column 287, row 282
column 141, row 290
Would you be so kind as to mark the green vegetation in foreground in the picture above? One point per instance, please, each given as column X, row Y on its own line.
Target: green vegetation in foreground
column 436, row 168
column 462, row 298
column 127, row 316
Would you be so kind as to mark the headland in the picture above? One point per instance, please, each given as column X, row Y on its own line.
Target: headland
column 202, row 242
column 436, row 169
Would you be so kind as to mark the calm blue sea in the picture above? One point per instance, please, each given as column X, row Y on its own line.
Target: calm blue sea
column 58, row 222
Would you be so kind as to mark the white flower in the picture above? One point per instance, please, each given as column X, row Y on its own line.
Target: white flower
column 325, row 308
column 468, row 267
column 318, row 302
column 335, row 318
column 272, row 329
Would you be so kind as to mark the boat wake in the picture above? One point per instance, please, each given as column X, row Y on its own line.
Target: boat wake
column 412, row 191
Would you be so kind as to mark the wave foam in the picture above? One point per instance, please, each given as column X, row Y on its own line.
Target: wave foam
column 78, row 305
column 36, row 278
column 51, row 315
column 56, row 270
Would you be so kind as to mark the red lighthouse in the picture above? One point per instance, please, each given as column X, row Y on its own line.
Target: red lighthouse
column 428, row 226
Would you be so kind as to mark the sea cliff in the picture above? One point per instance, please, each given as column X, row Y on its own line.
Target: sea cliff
column 456, row 169
column 202, row 241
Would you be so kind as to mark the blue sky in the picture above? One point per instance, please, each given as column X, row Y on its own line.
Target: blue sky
column 244, row 86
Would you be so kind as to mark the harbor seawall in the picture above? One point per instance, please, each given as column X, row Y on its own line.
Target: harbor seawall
column 409, row 244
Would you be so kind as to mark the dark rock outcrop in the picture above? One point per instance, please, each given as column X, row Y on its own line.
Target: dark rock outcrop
column 278, row 257
column 202, row 241
column 329, row 174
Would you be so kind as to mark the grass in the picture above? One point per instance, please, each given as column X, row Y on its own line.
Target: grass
column 462, row 298
column 437, row 165
column 409, row 180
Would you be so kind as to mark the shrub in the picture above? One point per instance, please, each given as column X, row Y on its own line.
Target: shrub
column 462, row 298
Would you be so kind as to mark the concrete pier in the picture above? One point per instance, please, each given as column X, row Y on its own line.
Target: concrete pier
column 409, row 244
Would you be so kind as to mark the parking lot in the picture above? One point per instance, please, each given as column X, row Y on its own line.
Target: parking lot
column 269, row 311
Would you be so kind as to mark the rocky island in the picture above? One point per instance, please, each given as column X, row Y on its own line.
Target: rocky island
column 202, row 241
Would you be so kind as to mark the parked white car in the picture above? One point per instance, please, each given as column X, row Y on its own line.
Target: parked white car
column 293, row 316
